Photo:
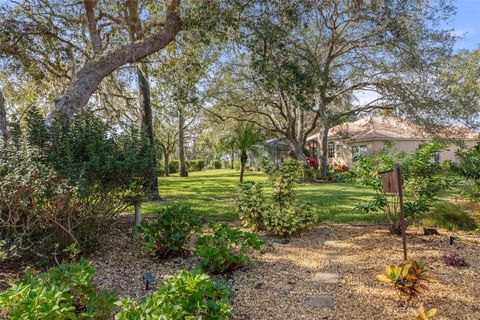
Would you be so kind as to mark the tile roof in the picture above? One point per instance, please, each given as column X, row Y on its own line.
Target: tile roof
column 386, row 127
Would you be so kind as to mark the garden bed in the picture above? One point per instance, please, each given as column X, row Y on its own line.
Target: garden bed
column 283, row 277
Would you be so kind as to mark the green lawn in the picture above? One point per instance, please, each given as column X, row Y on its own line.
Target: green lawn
column 214, row 192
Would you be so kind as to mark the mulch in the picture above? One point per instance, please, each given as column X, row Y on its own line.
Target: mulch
column 282, row 277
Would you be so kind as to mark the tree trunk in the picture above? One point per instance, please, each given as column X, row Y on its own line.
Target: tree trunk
column 138, row 219
column 151, row 179
column 322, row 155
column 3, row 121
column 299, row 152
column 182, row 169
column 243, row 162
column 232, row 160
column 94, row 71
column 165, row 163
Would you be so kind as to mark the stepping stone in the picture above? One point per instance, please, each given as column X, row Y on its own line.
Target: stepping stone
column 327, row 277
column 331, row 243
column 319, row 302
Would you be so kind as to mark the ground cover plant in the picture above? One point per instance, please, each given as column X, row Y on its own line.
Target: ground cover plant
column 64, row 292
column 170, row 229
column 187, row 295
column 226, row 249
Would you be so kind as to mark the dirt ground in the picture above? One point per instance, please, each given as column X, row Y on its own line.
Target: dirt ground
column 283, row 276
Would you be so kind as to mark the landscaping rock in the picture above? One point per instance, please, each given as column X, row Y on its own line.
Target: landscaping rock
column 327, row 277
column 319, row 302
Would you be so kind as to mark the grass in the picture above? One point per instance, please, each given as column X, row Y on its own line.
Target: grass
column 214, row 193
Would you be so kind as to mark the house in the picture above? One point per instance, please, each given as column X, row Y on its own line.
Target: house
column 368, row 135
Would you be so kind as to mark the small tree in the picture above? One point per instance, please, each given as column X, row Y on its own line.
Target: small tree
column 244, row 138
column 421, row 175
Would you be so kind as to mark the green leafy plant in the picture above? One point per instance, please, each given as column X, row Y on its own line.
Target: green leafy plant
column 469, row 168
column 67, row 186
column 408, row 278
column 423, row 180
column 284, row 216
column 285, row 220
column 169, row 230
column 187, row 295
column 195, row 165
column 226, row 249
column 173, row 166
column 251, row 204
column 64, row 292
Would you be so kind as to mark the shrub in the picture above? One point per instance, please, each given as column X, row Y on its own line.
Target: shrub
column 284, row 216
column 287, row 219
column 64, row 292
column 237, row 165
column 195, row 165
column 169, row 231
column 67, row 187
column 187, row 295
column 251, row 205
column 310, row 174
column 173, row 166
column 408, row 278
column 423, row 180
column 469, row 168
column 226, row 249
column 216, row 164
column 449, row 216
column 454, row 260
column 312, row 162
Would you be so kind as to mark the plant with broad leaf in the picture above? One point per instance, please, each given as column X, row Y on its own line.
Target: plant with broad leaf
column 422, row 314
column 226, row 249
column 408, row 278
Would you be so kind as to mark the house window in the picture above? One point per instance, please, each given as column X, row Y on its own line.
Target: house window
column 360, row 150
column 331, row 149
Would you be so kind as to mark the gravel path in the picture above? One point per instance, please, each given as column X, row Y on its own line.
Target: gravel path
column 287, row 281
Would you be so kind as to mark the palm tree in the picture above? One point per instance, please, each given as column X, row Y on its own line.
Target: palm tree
column 244, row 138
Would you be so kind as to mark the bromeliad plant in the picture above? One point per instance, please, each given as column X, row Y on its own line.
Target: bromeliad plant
column 187, row 295
column 226, row 249
column 169, row 231
column 408, row 278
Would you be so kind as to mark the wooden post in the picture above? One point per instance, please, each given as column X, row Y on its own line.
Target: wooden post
column 402, row 212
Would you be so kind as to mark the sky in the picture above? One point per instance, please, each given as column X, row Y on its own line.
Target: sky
column 466, row 23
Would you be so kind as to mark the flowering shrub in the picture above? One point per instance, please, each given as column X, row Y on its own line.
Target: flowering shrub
column 312, row 162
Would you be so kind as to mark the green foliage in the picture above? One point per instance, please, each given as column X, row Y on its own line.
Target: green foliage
column 216, row 164
column 423, row 179
column 68, row 188
column 284, row 216
column 408, row 278
column 469, row 168
column 285, row 219
column 195, row 165
column 169, row 231
column 187, row 295
column 226, row 249
column 310, row 174
column 237, row 165
column 173, row 166
column 251, row 204
column 64, row 292
column 449, row 216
